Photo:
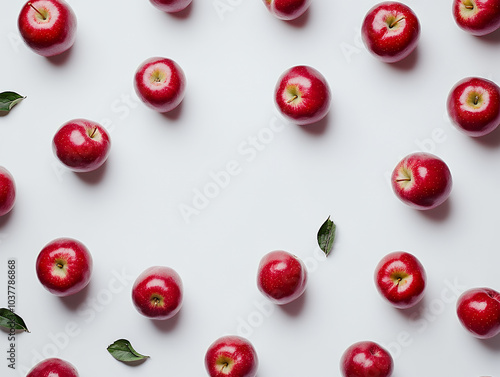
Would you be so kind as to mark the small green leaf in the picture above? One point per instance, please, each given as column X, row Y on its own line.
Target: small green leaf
column 9, row 319
column 326, row 236
column 8, row 100
column 122, row 350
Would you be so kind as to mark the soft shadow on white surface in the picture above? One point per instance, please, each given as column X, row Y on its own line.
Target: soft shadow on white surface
column 295, row 308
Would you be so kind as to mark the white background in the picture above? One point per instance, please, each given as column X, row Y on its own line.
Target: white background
column 290, row 179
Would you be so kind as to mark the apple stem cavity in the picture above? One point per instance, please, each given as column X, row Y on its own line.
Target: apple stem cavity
column 44, row 16
column 395, row 22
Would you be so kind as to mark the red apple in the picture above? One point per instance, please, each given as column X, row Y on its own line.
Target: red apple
column 53, row 367
column 302, row 95
column 366, row 359
column 478, row 310
column 171, row 6
column 390, row 31
column 287, row 9
column 157, row 293
column 64, row 266
column 160, row 83
column 231, row 356
column 7, row 191
column 474, row 106
column 47, row 26
column 477, row 17
column 82, row 145
column 281, row 277
column 401, row 279
column 422, row 180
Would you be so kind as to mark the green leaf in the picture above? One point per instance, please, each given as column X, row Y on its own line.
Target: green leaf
column 122, row 350
column 8, row 100
column 11, row 320
column 326, row 236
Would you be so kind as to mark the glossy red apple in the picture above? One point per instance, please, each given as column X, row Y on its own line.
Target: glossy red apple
column 366, row 359
column 281, row 277
column 47, row 26
column 478, row 310
column 390, row 31
column 401, row 279
column 474, row 106
column 422, row 180
column 231, row 356
column 157, row 293
column 287, row 9
column 477, row 17
column 171, row 6
column 53, row 367
column 7, row 191
column 64, row 266
column 160, row 83
column 302, row 95
column 82, row 145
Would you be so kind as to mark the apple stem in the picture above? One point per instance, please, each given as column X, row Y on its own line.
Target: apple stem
column 469, row 6
column 292, row 99
column 59, row 265
column 93, row 132
column 396, row 22
column 403, row 180
column 476, row 99
column 36, row 10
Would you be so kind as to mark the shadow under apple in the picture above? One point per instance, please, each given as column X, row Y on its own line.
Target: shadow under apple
column 93, row 177
column 300, row 21
column 317, row 128
column 174, row 114
column 440, row 213
column 408, row 63
column 61, row 59
column 294, row 308
column 74, row 301
column 167, row 325
column 183, row 14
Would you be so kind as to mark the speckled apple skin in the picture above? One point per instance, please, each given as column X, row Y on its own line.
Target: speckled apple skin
column 281, row 277
column 77, row 150
column 171, row 6
column 79, row 266
column 287, row 10
column 314, row 95
column 162, row 97
column 406, row 293
column 478, row 310
column 390, row 45
column 7, row 191
column 48, row 41
column 235, row 349
column 159, row 281
column 431, row 181
column 468, row 118
column 53, row 367
column 366, row 359
column 483, row 19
